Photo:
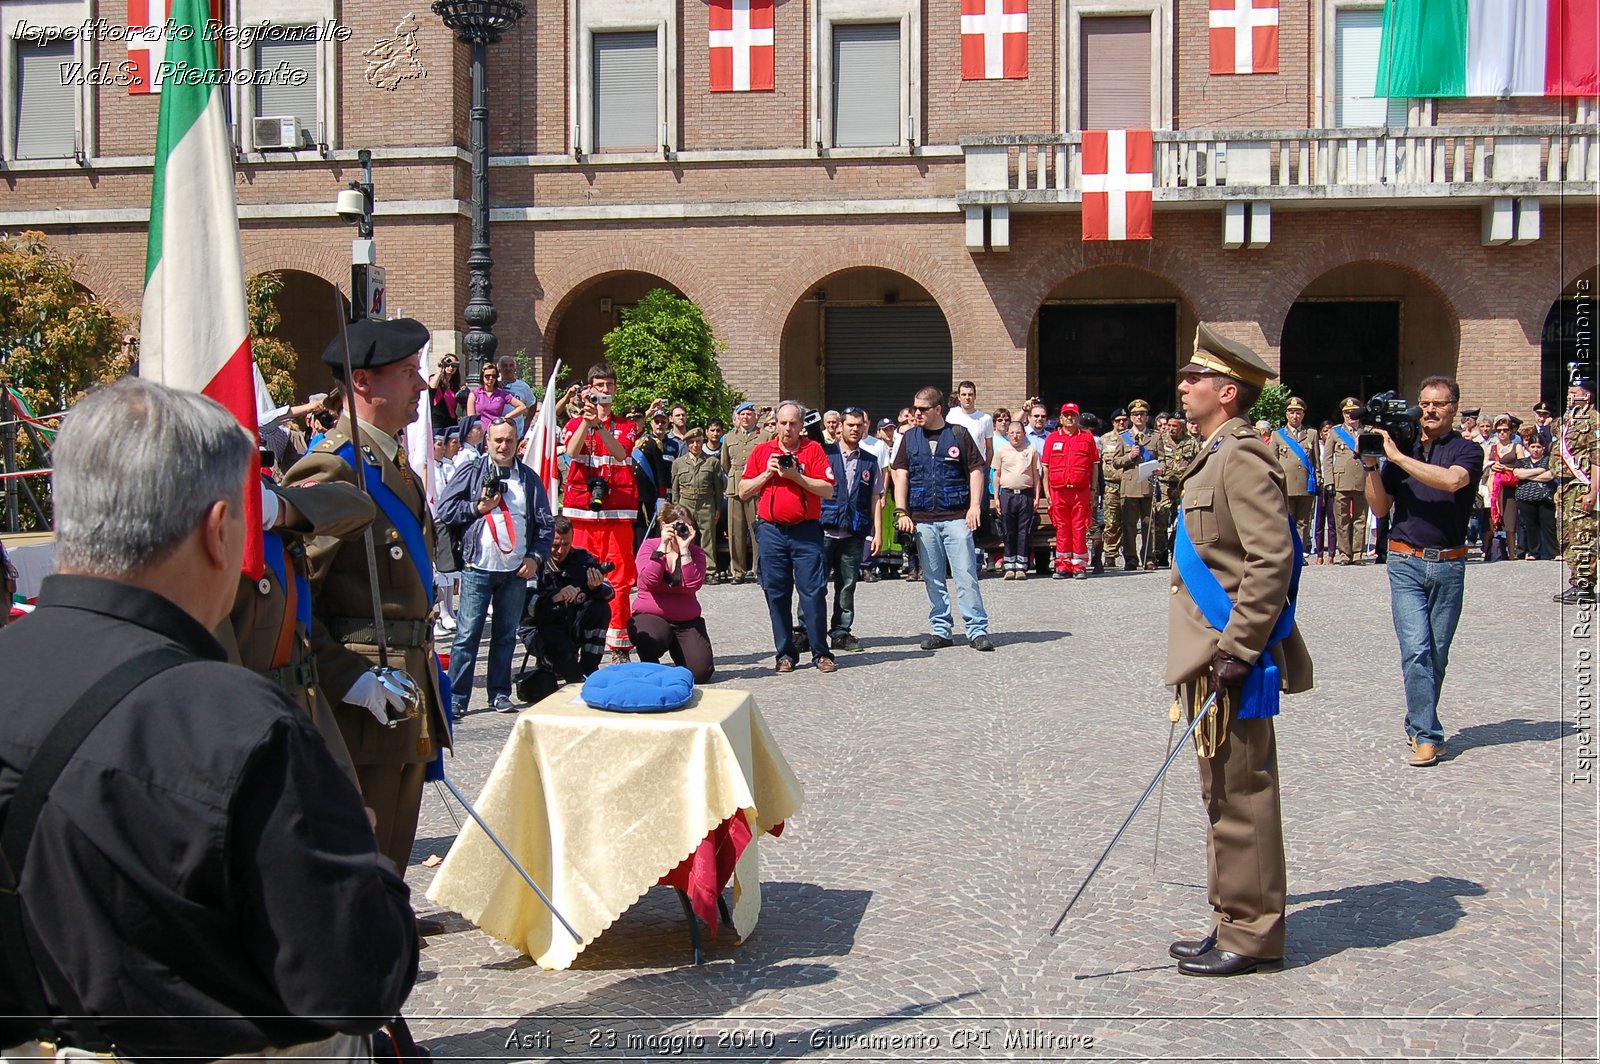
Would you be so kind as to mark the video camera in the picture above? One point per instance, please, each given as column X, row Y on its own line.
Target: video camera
column 1392, row 414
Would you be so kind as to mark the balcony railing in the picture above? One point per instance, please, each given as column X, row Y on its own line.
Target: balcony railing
column 1300, row 163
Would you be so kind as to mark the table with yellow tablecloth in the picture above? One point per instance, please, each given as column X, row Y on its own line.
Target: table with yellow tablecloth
column 598, row 806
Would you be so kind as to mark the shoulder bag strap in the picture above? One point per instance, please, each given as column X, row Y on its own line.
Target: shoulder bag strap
column 22, row 816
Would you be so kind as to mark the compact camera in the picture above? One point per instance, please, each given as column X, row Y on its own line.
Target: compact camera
column 599, row 488
column 1392, row 414
column 597, row 398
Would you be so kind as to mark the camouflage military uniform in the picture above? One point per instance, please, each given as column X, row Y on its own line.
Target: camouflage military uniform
column 1175, row 456
column 1110, row 497
column 1576, row 435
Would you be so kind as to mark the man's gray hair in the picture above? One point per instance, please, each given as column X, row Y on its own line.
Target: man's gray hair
column 797, row 404
column 137, row 465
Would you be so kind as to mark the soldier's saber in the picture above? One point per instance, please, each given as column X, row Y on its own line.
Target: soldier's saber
column 1155, row 851
column 1198, row 717
column 548, row 904
column 380, row 632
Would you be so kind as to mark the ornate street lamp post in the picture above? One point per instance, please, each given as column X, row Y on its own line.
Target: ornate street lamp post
column 479, row 23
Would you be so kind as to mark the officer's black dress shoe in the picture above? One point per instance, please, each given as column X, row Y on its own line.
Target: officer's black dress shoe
column 1187, row 948
column 1575, row 594
column 1221, row 962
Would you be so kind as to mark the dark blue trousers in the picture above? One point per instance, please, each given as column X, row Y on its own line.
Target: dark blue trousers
column 791, row 558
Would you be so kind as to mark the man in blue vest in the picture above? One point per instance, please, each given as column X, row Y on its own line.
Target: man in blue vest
column 850, row 522
column 938, row 488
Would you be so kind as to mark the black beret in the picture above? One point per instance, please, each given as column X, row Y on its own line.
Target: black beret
column 1119, row 412
column 375, row 344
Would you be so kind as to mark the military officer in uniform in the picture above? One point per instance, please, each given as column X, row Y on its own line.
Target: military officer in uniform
column 1349, row 488
column 697, row 483
column 736, row 448
column 269, row 628
column 1111, row 480
column 1176, row 449
column 1234, row 546
column 1296, row 447
column 1572, row 459
column 1132, row 450
column 390, row 761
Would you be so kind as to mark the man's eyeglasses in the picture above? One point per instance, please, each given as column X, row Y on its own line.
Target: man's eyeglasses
column 921, row 409
column 853, row 411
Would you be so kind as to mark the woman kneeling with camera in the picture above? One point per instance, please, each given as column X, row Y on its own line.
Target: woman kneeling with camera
column 666, row 614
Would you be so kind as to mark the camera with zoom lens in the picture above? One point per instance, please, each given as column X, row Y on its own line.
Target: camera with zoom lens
column 599, row 488
column 785, row 461
column 1392, row 414
column 681, row 528
column 494, row 483
column 606, row 568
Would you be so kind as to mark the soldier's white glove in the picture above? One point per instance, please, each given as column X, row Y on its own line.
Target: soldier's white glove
column 270, row 508
column 369, row 691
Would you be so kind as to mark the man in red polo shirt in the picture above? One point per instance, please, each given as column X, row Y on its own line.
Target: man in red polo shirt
column 1071, row 457
column 791, row 475
column 602, row 496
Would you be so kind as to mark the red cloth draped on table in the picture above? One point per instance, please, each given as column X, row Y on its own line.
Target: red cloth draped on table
column 704, row 873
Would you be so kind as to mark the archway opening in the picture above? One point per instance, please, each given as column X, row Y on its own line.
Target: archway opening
column 1364, row 328
column 1568, row 338
column 865, row 337
column 593, row 309
column 310, row 321
column 1111, row 335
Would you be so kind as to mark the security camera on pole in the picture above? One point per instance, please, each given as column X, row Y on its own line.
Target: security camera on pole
column 367, row 295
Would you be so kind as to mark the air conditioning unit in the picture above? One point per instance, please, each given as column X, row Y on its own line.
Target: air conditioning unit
column 279, row 133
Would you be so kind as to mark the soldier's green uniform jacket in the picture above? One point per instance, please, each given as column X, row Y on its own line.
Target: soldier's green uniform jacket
column 1575, row 436
column 342, row 635
column 696, row 483
column 1175, row 455
column 736, row 448
column 1296, row 477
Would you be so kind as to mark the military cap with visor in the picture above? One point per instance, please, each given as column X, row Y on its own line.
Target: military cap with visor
column 1219, row 356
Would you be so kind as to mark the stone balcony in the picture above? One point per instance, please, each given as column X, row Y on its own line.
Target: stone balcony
column 1507, row 169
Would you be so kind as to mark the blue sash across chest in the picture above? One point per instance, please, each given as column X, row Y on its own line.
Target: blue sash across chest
column 1345, row 438
column 272, row 548
column 1305, row 459
column 1259, row 696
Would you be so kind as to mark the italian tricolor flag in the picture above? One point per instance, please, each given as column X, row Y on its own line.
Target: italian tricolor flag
column 195, row 332
column 1490, row 48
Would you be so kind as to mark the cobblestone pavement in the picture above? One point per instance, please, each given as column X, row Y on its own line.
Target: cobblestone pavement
column 954, row 800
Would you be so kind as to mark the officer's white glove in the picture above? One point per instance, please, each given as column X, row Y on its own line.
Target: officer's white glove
column 270, row 508
column 369, row 691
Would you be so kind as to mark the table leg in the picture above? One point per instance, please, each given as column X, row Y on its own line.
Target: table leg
column 694, row 927
column 727, row 913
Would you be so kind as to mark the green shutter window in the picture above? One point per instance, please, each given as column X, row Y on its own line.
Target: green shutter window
column 45, row 121
column 626, row 113
column 866, row 85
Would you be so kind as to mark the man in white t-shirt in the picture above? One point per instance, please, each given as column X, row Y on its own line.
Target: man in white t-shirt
column 979, row 426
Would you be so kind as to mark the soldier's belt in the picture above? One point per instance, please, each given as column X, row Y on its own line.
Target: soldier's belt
column 294, row 678
column 359, row 630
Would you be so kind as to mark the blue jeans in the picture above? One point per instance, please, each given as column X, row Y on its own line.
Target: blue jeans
column 1425, row 598
column 792, row 558
column 507, row 592
column 844, row 563
column 945, row 548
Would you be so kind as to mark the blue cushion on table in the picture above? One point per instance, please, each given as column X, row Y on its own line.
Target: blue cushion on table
column 639, row 687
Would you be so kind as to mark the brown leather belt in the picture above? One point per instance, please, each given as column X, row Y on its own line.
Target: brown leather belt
column 1428, row 554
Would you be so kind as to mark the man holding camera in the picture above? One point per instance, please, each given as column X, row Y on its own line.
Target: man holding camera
column 1431, row 488
column 1349, row 487
column 498, row 509
column 602, row 495
column 789, row 476
column 571, row 607
column 1572, row 460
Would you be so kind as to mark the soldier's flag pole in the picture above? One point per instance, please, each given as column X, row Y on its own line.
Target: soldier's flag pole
column 1171, row 757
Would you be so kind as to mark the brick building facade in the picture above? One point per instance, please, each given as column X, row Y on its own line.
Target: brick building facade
column 1357, row 256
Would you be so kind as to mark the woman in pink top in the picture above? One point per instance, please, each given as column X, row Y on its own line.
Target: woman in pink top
column 666, row 613
column 490, row 401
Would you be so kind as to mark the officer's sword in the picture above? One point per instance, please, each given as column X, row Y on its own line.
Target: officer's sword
column 1155, row 851
column 1172, row 756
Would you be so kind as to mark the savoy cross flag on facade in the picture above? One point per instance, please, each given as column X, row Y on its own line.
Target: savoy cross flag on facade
column 195, row 332
column 741, row 45
column 1118, row 183
column 994, row 39
column 1244, row 36
column 147, row 45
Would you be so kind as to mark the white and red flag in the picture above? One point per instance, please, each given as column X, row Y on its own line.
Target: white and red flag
column 195, row 331
column 1244, row 36
column 543, row 439
column 741, row 45
column 994, row 39
column 147, row 45
column 1118, row 184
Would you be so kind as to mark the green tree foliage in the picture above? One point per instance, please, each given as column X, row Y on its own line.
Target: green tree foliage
column 275, row 357
column 1272, row 406
column 665, row 349
column 56, row 341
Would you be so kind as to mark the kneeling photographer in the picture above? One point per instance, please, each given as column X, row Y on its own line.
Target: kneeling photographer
column 666, row 613
column 571, row 608
column 1430, row 481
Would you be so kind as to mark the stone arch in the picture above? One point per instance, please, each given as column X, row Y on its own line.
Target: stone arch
column 575, row 335
column 279, row 254
column 1568, row 318
column 309, row 323
column 1454, row 283
column 96, row 278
